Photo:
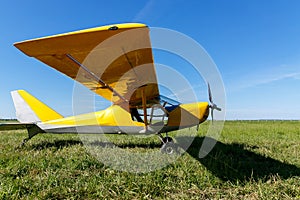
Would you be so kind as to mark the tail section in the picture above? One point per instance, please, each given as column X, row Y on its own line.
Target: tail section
column 31, row 110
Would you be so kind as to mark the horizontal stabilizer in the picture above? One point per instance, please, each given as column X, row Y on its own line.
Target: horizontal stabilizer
column 32, row 129
column 12, row 126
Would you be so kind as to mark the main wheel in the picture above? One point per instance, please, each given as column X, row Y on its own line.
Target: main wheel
column 169, row 148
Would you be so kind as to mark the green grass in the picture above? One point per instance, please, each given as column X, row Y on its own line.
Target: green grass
column 251, row 160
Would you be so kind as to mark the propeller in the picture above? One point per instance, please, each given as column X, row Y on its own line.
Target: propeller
column 212, row 105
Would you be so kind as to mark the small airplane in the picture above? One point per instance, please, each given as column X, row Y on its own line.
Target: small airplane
column 115, row 62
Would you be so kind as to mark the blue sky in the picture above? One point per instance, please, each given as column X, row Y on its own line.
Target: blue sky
column 254, row 43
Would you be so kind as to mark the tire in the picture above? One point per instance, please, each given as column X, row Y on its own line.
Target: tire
column 168, row 148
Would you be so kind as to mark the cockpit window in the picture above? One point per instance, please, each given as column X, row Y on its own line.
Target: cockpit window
column 166, row 104
column 168, row 101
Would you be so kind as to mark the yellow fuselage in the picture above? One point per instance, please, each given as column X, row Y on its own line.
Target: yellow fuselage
column 115, row 119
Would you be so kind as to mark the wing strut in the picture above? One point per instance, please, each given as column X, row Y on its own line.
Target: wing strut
column 93, row 75
column 130, row 63
column 144, row 107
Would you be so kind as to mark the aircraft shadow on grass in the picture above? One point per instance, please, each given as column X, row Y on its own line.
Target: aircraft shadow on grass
column 231, row 162
column 234, row 162
column 58, row 144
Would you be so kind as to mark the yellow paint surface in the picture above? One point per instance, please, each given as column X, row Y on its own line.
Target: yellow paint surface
column 43, row 112
column 189, row 114
column 121, row 58
column 112, row 116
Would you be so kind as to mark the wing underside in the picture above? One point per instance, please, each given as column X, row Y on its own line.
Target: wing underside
column 113, row 61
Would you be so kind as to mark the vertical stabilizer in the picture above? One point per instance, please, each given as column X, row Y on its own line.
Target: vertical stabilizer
column 31, row 110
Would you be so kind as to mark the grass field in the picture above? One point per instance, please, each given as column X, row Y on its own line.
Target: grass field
column 251, row 160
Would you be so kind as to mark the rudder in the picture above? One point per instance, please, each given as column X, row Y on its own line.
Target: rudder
column 30, row 110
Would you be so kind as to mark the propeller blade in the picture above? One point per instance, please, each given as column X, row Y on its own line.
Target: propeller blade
column 218, row 109
column 209, row 94
column 212, row 105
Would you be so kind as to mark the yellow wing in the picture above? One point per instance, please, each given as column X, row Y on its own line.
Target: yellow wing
column 113, row 61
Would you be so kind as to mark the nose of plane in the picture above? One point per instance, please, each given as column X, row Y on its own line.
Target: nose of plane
column 190, row 114
column 199, row 110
